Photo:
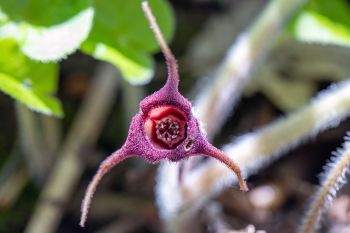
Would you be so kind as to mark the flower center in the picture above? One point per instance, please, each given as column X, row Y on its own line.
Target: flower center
column 165, row 127
column 167, row 130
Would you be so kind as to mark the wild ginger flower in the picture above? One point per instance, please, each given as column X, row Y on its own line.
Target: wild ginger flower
column 165, row 128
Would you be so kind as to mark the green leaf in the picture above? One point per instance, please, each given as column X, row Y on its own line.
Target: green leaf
column 43, row 12
column 313, row 27
column 31, row 98
column 337, row 11
column 123, row 22
column 323, row 21
column 56, row 42
column 30, row 82
column 136, row 67
column 50, row 43
column 121, row 35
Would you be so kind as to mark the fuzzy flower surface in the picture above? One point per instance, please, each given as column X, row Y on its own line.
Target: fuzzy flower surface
column 165, row 128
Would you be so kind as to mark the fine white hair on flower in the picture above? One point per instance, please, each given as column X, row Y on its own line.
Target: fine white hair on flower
column 254, row 150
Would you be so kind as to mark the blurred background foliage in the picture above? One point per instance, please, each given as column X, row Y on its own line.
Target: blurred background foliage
column 48, row 31
column 49, row 51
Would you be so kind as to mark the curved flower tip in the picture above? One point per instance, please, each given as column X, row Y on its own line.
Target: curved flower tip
column 219, row 155
column 105, row 166
column 165, row 128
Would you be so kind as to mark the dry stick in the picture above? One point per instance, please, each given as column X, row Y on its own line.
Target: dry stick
column 13, row 178
column 132, row 95
column 213, row 104
column 32, row 144
column 109, row 204
column 332, row 180
column 254, row 150
column 207, row 47
column 12, row 187
column 125, row 225
column 51, row 128
column 69, row 167
column 214, row 217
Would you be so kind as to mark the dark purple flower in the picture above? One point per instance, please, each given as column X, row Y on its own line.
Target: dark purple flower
column 165, row 128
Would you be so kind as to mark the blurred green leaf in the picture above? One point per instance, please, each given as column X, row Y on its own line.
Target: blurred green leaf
column 323, row 21
column 3, row 18
column 135, row 66
column 121, row 35
column 30, row 82
column 43, row 12
column 50, row 43
column 337, row 11
column 54, row 43
column 314, row 27
column 48, row 30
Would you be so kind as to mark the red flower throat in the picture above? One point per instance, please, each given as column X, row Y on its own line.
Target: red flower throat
column 165, row 128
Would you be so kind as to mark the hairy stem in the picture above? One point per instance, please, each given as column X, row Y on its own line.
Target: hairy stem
column 255, row 150
column 332, row 180
column 213, row 106
column 173, row 76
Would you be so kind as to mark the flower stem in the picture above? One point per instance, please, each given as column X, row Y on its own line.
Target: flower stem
column 173, row 76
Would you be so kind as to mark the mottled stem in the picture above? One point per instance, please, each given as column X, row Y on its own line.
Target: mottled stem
column 173, row 76
column 105, row 167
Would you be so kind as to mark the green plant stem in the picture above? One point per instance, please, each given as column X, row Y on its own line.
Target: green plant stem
column 51, row 128
column 12, row 187
column 32, row 143
column 13, row 178
column 69, row 167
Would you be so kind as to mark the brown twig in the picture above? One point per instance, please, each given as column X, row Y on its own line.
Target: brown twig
column 125, row 225
column 51, row 129
column 68, row 169
column 31, row 140
column 13, row 177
